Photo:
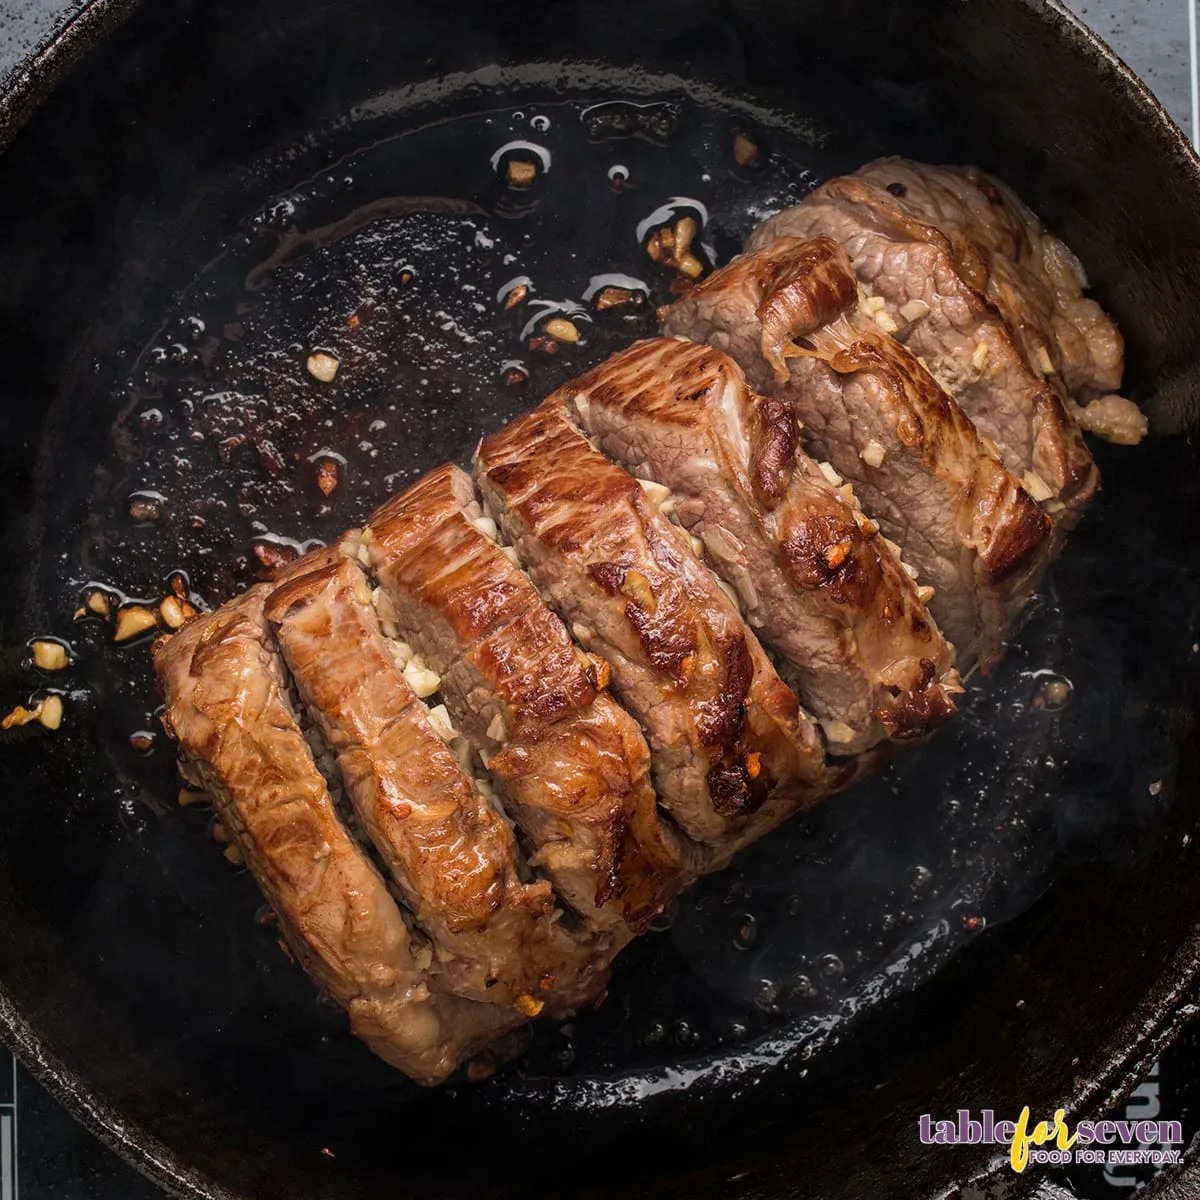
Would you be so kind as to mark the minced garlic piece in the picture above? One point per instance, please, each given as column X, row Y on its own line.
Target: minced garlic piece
column 561, row 330
column 838, row 732
column 655, row 491
column 48, row 713
column 873, row 304
column 132, row 620
column 914, row 310
column 885, row 322
column 402, row 652
column 362, row 590
column 1036, row 486
column 521, row 172
column 171, row 611
column 49, row 656
column 925, row 593
column 439, row 718
column 830, row 474
column 873, row 453
column 980, row 357
column 1044, row 364
column 421, row 679
column 486, row 526
column 322, row 366
column 496, row 730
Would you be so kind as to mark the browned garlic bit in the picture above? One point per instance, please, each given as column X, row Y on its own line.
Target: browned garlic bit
column 132, row 620
column 234, row 855
column 50, row 656
column 189, row 796
column 514, row 376
column 327, row 476
column 516, row 296
column 145, row 508
column 521, row 172
column 98, row 603
column 175, row 612
column 48, row 712
column 616, row 297
column 322, row 366
column 670, row 246
column 528, row 1006
column 602, row 669
column 274, row 558
column 745, row 152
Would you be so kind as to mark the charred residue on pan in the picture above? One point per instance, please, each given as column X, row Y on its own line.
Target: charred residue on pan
column 373, row 322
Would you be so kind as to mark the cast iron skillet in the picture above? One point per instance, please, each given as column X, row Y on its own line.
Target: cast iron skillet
column 132, row 979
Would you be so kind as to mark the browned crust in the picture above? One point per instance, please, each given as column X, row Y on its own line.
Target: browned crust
column 821, row 543
column 454, row 856
column 803, row 289
column 774, row 440
column 421, row 531
column 590, row 513
column 1007, row 528
column 561, row 722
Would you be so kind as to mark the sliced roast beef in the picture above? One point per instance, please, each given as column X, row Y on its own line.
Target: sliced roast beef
column 452, row 856
column 915, row 289
column 227, row 706
column 732, row 751
column 812, row 575
column 788, row 312
column 572, row 767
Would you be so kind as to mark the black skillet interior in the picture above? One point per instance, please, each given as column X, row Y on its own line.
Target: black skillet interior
column 999, row 918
